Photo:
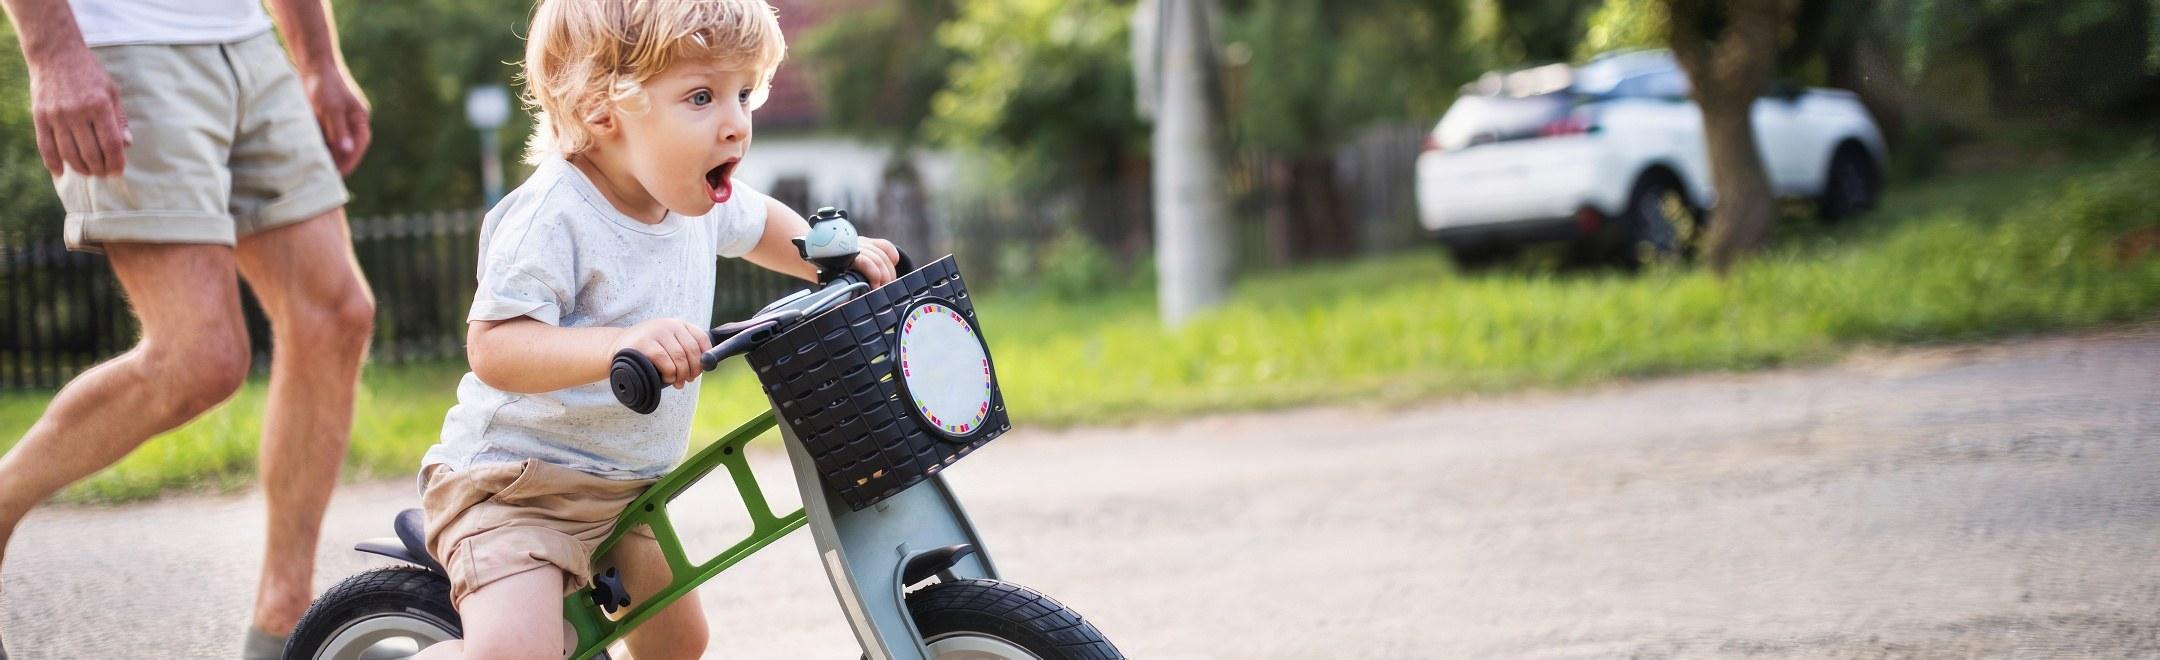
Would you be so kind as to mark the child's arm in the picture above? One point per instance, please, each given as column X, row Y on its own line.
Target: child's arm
column 775, row 252
column 527, row 356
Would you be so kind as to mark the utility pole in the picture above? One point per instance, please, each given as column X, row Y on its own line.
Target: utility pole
column 1178, row 86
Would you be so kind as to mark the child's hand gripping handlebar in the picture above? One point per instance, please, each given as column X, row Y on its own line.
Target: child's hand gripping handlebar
column 636, row 380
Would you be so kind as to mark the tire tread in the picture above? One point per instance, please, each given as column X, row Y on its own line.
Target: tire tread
column 1010, row 608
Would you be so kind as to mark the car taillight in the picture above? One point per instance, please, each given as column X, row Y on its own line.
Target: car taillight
column 1432, row 143
column 1567, row 126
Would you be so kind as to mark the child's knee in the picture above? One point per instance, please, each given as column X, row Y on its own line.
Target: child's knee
column 510, row 617
column 679, row 631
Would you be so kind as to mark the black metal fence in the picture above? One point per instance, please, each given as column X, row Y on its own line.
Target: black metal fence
column 64, row 311
column 1001, row 237
column 61, row 312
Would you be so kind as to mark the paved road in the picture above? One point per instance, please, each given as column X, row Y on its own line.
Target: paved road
column 1951, row 502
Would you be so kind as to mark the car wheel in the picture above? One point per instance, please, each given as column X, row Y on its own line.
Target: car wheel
column 1851, row 186
column 1659, row 224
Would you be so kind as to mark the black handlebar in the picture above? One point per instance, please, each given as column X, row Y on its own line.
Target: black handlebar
column 636, row 380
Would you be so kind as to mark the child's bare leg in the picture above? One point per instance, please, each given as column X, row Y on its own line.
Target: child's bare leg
column 676, row 632
column 517, row 617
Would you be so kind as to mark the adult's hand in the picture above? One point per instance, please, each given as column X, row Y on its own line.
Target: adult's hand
column 76, row 109
column 342, row 111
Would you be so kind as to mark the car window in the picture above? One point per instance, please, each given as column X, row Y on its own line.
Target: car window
column 1663, row 84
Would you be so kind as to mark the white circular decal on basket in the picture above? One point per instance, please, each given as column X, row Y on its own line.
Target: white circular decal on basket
column 944, row 368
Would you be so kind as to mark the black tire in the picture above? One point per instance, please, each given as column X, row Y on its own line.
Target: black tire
column 1660, row 223
column 1852, row 185
column 988, row 611
column 390, row 600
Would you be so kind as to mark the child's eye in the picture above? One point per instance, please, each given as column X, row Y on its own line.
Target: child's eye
column 701, row 97
column 743, row 97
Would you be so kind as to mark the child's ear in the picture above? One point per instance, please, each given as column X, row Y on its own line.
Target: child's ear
column 601, row 122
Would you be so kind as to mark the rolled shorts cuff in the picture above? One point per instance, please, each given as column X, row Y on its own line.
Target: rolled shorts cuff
column 90, row 231
column 488, row 557
column 297, row 206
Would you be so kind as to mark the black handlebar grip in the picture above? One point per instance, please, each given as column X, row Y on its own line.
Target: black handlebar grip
column 906, row 265
column 636, row 381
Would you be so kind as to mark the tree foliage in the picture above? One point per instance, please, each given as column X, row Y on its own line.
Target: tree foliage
column 1044, row 87
column 1319, row 71
column 878, row 68
column 414, row 59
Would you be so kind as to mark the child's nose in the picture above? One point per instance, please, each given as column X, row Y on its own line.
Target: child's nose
column 736, row 127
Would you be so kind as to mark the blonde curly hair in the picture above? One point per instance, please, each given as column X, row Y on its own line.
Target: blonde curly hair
column 586, row 57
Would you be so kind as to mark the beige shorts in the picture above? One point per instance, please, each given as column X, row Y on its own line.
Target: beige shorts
column 495, row 521
column 226, row 145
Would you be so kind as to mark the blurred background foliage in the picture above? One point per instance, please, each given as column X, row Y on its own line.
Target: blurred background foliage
column 1040, row 92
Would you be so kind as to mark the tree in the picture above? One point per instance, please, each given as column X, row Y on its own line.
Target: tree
column 27, row 199
column 1043, row 90
column 425, row 157
column 1536, row 31
column 877, row 69
column 1729, row 50
column 1318, row 73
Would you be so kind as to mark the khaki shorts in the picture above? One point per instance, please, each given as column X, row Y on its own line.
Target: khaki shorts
column 495, row 521
column 226, row 145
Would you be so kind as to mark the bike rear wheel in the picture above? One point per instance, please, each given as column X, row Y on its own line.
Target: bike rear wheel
column 991, row 620
column 385, row 613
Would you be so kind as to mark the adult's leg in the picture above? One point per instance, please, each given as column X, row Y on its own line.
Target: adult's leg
column 321, row 316
column 192, row 356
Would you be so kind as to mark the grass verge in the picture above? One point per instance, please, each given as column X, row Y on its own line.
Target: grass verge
column 1982, row 256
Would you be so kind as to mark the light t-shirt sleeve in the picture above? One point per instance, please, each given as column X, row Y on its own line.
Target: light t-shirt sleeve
column 739, row 224
column 525, row 273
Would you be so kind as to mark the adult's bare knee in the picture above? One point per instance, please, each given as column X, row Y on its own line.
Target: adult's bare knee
column 197, row 375
column 353, row 316
column 339, row 324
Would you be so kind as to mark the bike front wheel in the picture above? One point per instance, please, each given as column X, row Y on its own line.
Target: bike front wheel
column 991, row 620
column 389, row 612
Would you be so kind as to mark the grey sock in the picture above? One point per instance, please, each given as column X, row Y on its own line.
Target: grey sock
column 259, row 645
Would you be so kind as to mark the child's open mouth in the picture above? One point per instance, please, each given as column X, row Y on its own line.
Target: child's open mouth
column 717, row 183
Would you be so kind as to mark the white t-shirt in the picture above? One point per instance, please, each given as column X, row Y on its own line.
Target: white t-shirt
column 555, row 250
column 120, row 22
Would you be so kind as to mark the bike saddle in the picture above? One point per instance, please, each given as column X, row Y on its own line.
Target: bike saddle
column 412, row 533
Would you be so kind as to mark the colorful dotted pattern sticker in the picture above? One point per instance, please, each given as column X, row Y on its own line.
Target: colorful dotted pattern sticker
column 946, row 369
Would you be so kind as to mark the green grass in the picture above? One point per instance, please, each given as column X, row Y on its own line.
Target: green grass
column 1983, row 256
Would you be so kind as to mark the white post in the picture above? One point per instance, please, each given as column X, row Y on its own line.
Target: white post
column 1192, row 241
column 486, row 108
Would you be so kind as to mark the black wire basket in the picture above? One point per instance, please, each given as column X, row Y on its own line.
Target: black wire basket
column 835, row 379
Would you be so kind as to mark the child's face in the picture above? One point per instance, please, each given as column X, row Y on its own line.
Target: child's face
column 696, row 126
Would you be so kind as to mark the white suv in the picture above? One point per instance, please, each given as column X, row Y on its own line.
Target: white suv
column 1610, row 154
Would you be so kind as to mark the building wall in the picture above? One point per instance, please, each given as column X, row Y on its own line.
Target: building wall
column 837, row 168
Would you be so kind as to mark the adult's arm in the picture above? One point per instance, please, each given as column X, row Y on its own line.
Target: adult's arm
column 73, row 102
column 311, row 39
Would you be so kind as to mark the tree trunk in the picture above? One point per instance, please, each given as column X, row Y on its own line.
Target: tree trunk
column 1744, row 211
column 1729, row 50
column 903, row 206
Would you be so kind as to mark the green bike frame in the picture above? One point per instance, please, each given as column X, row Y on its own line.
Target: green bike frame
column 594, row 629
column 864, row 552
